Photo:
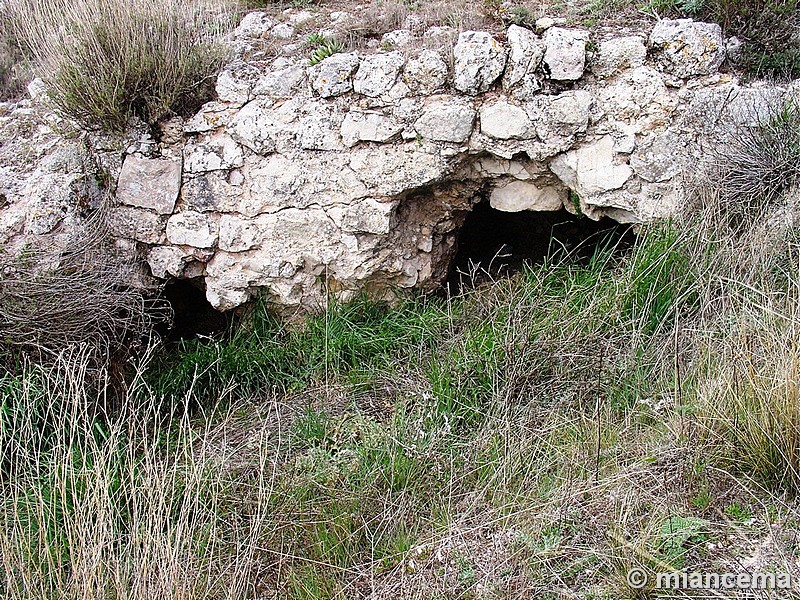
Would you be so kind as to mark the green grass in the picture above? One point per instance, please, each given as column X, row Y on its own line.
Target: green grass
column 263, row 354
column 549, row 431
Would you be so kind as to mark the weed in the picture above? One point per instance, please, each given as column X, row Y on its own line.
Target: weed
column 310, row 429
column 738, row 512
column 702, row 499
column 575, row 199
column 751, row 411
column 673, row 7
column 265, row 353
column 312, row 583
column 762, row 160
column 678, row 536
column 101, row 498
column 522, row 16
column 662, row 280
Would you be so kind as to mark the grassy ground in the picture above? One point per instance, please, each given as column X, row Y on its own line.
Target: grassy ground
column 535, row 438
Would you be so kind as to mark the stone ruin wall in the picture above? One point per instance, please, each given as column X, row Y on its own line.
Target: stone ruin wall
column 356, row 173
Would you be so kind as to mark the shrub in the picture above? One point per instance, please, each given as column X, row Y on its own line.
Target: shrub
column 9, row 85
column 106, row 61
column 762, row 161
column 522, row 16
column 75, row 293
column 769, row 29
column 12, row 66
column 742, row 354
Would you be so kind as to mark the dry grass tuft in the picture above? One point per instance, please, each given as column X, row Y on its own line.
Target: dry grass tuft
column 761, row 162
column 382, row 16
column 13, row 70
column 106, row 61
column 91, row 504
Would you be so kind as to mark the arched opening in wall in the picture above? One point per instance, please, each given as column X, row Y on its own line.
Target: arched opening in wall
column 192, row 314
column 492, row 244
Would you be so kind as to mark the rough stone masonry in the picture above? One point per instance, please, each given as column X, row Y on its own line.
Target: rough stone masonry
column 354, row 174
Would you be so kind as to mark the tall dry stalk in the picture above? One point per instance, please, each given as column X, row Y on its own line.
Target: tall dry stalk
column 110, row 507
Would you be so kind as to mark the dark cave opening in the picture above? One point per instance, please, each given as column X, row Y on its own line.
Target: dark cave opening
column 492, row 244
column 192, row 314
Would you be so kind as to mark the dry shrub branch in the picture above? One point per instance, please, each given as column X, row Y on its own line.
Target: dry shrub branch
column 76, row 292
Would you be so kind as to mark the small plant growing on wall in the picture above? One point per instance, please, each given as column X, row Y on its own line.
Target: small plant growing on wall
column 322, row 47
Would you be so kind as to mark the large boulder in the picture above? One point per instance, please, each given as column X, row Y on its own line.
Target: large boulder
column 217, row 152
column 446, row 119
column 592, row 169
column 150, row 183
column 235, row 83
column 192, row 228
column 253, row 126
column 368, row 126
column 516, row 196
column 525, row 57
column 255, row 24
column 284, row 80
column 377, row 73
column 504, row 121
column 427, row 73
column 334, row 75
column 617, row 54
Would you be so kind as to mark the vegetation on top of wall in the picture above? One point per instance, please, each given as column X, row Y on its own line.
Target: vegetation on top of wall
column 770, row 30
column 106, row 61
